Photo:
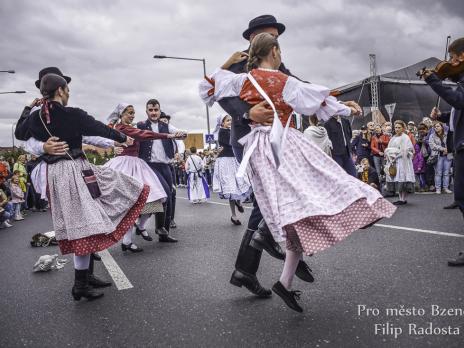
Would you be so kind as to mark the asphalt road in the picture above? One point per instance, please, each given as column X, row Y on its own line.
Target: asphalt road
column 181, row 294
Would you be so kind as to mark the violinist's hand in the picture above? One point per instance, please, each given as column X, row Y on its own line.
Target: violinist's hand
column 55, row 147
column 35, row 102
column 129, row 141
column 262, row 113
column 118, row 150
column 235, row 58
column 426, row 73
column 435, row 113
column 355, row 108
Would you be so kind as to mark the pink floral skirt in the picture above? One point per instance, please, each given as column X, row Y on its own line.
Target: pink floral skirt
column 310, row 199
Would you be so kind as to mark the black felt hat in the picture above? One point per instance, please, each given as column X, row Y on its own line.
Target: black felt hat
column 51, row 70
column 264, row 21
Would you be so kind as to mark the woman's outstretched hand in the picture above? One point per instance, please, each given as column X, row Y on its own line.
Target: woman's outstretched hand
column 235, row 58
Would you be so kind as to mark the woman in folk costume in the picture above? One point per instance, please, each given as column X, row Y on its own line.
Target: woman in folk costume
column 130, row 164
column 92, row 207
column 197, row 187
column 225, row 181
column 304, row 195
column 399, row 168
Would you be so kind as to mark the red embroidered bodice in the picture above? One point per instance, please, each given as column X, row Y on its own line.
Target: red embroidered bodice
column 273, row 83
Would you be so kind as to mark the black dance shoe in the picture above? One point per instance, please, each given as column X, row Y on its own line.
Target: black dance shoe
column 239, row 206
column 262, row 239
column 172, row 224
column 304, row 272
column 235, row 222
column 400, row 202
column 458, row 261
column 131, row 247
column 290, row 297
column 161, row 231
column 96, row 282
column 167, row 239
column 139, row 231
column 251, row 283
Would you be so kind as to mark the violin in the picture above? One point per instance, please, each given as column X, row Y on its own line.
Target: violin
column 444, row 70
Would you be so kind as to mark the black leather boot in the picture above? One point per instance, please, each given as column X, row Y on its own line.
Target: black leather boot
column 263, row 239
column 250, row 282
column 160, row 230
column 246, row 267
column 94, row 281
column 81, row 286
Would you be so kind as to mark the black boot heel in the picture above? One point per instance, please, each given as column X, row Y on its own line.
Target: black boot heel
column 81, row 286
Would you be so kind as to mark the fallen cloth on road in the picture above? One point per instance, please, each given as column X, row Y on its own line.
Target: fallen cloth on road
column 44, row 239
column 48, row 262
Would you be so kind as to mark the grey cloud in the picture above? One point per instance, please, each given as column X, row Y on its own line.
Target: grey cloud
column 107, row 46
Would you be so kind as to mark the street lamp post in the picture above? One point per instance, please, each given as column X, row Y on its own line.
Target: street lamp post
column 17, row 92
column 204, row 74
column 12, row 134
column 8, row 71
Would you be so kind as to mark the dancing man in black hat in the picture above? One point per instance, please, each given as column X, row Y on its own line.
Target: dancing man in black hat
column 257, row 232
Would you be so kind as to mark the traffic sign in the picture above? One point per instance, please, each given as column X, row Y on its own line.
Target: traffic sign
column 209, row 138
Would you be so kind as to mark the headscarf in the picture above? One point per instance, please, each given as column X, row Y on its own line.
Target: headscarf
column 116, row 114
column 219, row 121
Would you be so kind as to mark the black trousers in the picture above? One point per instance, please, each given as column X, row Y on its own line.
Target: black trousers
column 164, row 174
column 459, row 179
column 173, row 191
column 248, row 258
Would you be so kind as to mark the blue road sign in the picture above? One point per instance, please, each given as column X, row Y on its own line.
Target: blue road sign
column 209, row 138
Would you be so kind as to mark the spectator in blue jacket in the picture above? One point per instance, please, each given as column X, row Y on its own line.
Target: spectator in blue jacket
column 361, row 145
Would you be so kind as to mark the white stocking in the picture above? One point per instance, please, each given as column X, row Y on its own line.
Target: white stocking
column 292, row 259
column 143, row 220
column 127, row 239
column 81, row 262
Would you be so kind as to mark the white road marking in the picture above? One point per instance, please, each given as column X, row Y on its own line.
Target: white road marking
column 378, row 225
column 119, row 278
column 212, row 202
column 421, row 230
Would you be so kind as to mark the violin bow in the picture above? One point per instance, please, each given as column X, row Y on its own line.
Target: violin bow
column 448, row 38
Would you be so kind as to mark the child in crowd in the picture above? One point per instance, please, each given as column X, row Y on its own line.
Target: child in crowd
column 17, row 195
column 368, row 175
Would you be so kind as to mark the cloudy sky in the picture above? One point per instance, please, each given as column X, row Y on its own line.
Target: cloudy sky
column 107, row 46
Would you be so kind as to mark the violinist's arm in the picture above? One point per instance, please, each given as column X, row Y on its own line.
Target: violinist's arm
column 455, row 98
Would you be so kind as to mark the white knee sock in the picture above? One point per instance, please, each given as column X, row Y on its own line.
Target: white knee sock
column 143, row 220
column 291, row 263
column 81, row 262
column 127, row 239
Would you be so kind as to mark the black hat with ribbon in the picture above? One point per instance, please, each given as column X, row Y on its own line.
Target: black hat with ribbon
column 264, row 21
column 51, row 70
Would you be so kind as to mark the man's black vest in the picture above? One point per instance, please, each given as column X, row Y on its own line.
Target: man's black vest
column 145, row 146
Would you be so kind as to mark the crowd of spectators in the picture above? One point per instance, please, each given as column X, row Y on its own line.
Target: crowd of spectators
column 394, row 158
column 431, row 156
column 17, row 194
